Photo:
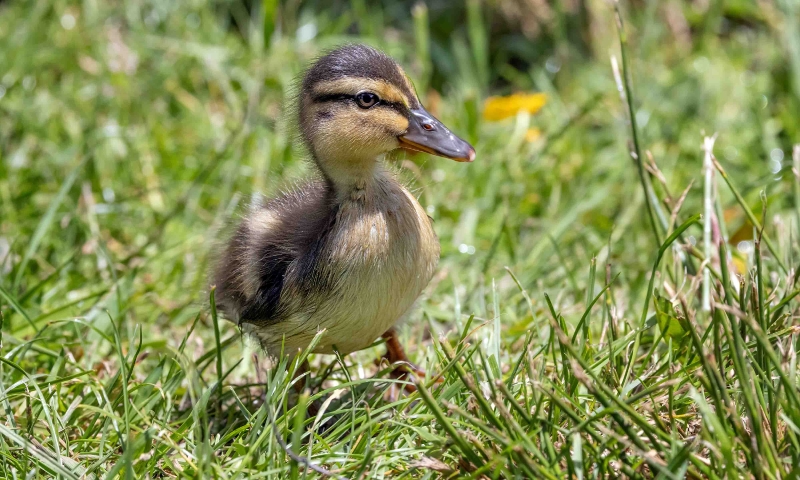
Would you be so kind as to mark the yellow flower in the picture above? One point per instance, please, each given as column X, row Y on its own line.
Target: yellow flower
column 499, row 108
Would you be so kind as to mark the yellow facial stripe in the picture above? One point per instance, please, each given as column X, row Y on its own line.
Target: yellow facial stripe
column 391, row 120
column 353, row 85
column 409, row 85
column 384, row 119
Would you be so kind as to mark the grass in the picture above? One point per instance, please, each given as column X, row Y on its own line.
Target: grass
column 566, row 320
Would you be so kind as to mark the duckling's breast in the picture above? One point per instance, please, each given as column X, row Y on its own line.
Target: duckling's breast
column 377, row 258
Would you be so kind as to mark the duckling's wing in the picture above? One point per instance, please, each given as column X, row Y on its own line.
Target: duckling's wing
column 283, row 234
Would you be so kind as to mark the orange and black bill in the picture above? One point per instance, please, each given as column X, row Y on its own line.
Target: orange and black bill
column 427, row 134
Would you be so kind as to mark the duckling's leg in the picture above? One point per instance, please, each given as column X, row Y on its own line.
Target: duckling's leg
column 302, row 369
column 312, row 409
column 395, row 354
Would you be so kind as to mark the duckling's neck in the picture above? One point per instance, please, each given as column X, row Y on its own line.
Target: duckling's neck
column 354, row 180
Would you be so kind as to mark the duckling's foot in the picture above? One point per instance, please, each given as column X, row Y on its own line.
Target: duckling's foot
column 396, row 355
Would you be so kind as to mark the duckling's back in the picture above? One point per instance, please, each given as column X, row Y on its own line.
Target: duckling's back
column 310, row 260
column 273, row 236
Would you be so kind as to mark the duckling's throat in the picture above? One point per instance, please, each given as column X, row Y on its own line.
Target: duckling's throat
column 354, row 180
column 358, row 191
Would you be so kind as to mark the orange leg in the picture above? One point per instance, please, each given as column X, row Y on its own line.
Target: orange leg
column 396, row 355
column 312, row 408
column 301, row 369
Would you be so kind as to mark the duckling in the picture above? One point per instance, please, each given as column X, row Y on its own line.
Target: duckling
column 350, row 251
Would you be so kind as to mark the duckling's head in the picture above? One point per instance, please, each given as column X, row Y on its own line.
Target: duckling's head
column 356, row 103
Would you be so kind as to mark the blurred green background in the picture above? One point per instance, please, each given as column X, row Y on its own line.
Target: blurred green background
column 152, row 94
column 132, row 132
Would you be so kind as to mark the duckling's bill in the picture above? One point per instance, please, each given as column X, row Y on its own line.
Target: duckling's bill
column 427, row 134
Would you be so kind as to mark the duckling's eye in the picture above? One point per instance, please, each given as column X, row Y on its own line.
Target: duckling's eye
column 366, row 99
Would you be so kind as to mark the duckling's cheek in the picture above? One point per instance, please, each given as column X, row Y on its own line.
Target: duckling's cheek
column 351, row 134
column 377, row 130
column 391, row 121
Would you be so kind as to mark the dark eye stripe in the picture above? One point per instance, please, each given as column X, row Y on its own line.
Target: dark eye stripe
column 396, row 106
column 337, row 97
column 332, row 97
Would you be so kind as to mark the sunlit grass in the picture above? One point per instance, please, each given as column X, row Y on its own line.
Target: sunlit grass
column 566, row 326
